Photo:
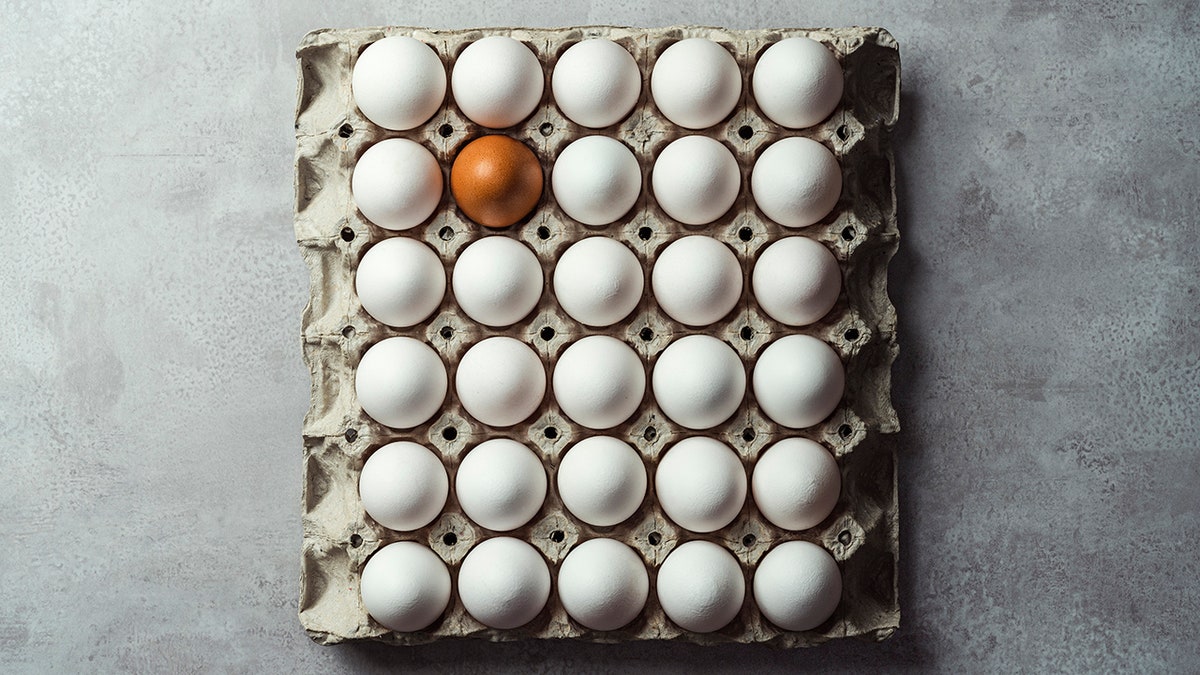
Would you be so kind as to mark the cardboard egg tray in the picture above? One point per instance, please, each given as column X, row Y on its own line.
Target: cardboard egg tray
column 339, row 537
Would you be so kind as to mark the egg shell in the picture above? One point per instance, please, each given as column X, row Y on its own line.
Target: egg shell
column 503, row 583
column 796, row 281
column 602, row 480
column 497, row 281
column 700, row 484
column 797, row 82
column 695, row 83
column 598, row 281
column 400, row 281
column 700, row 586
column 500, row 484
column 603, row 584
column 798, row 381
column 796, row 182
column 797, row 585
column 400, row 382
column 695, row 180
column 697, row 280
column 796, row 483
column 596, row 180
column 405, row 586
column 596, row 83
column 496, row 180
column 599, row 381
column 497, row 81
column 698, row 381
column 500, row 381
column 397, row 184
column 403, row 486
column 398, row 82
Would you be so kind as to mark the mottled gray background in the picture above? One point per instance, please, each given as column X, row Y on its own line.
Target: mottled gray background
column 153, row 389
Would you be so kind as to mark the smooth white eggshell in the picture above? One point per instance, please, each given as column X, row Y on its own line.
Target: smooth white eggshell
column 599, row 381
column 695, row 180
column 699, row 381
column 400, row 281
column 500, row 484
column 398, row 82
column 603, row 584
column 405, row 586
column 500, row 381
column 397, row 184
column 598, row 281
column 796, row 483
column 701, row 587
column 797, row 82
column 497, row 281
column 700, row 484
column 696, row 83
column 797, row 585
column 497, row 81
column 796, row 281
column 503, row 583
column 403, row 486
column 602, row 481
column 798, row 381
column 400, row 382
column 596, row 83
column 796, row 182
column 596, row 180
column 697, row 280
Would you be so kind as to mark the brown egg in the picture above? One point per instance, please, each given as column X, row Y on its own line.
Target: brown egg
column 496, row 180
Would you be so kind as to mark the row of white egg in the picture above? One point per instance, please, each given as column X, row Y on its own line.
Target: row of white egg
column 399, row 82
column 700, row 483
column 598, row 281
column 398, row 184
column 599, row 381
column 504, row 583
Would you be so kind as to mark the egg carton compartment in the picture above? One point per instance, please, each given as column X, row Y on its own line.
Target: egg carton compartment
column 861, row 231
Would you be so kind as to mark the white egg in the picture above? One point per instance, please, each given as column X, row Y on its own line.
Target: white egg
column 798, row 381
column 796, row 483
column 504, row 583
column 797, row 82
column 497, row 281
column 400, row 382
column 596, row 83
column 602, row 481
column 796, row 281
column 500, row 381
column 599, row 381
column 596, row 180
column 497, row 81
column 403, row 486
column 695, row 180
column 696, row 83
column 405, row 586
column 701, row 586
column 603, row 584
column 699, row 381
column 500, row 484
column 797, row 585
column 697, row 280
column 796, row 182
column 397, row 184
column 398, row 82
column 400, row 281
column 700, row 484
column 598, row 281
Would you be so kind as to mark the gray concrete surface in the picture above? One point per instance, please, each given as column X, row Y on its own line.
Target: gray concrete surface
column 152, row 386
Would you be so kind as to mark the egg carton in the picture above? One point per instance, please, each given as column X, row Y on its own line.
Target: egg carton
column 861, row 533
